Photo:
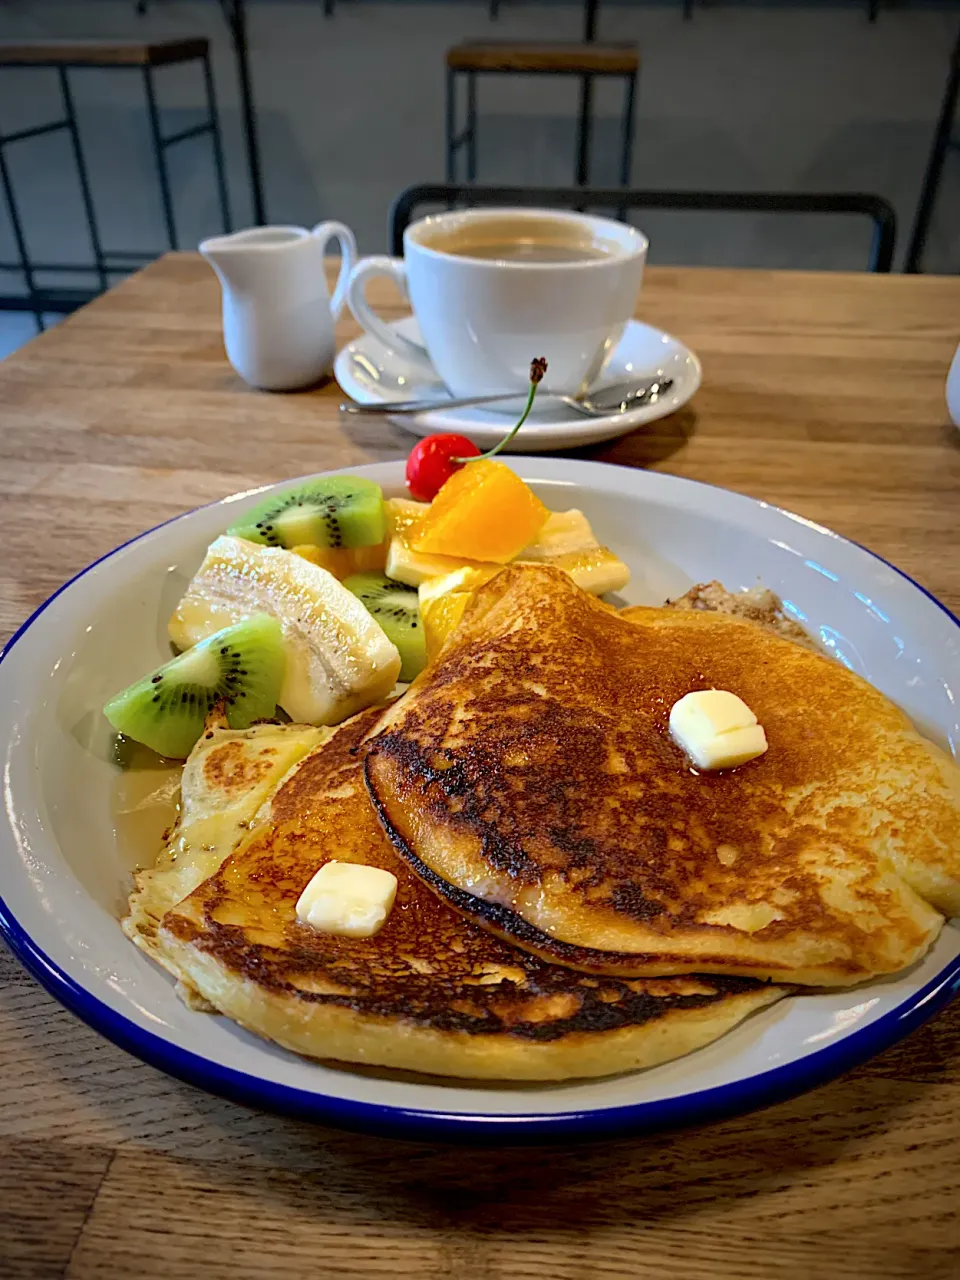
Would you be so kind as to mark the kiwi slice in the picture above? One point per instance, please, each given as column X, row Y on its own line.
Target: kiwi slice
column 397, row 609
column 240, row 667
column 341, row 511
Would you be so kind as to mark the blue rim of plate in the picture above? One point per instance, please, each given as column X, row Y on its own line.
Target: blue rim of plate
column 437, row 1125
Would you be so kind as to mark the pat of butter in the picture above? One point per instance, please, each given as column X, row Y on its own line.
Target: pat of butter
column 716, row 729
column 348, row 898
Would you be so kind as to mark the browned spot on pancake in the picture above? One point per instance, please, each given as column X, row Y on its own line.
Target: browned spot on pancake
column 630, row 899
column 233, row 767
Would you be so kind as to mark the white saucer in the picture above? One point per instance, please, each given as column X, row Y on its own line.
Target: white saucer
column 371, row 373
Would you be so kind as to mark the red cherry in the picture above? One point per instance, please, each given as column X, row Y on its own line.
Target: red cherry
column 431, row 463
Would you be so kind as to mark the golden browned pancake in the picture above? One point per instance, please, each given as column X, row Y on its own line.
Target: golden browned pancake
column 431, row 992
column 530, row 777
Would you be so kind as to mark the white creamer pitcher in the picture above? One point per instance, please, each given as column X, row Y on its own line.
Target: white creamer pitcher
column 278, row 317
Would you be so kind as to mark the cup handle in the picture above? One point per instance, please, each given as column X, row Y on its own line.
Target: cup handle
column 364, row 314
column 324, row 232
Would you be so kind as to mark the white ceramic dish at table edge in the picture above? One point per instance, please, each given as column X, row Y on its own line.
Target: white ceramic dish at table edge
column 63, row 883
column 371, row 373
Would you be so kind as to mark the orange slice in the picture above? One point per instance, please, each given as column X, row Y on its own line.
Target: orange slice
column 483, row 512
column 443, row 601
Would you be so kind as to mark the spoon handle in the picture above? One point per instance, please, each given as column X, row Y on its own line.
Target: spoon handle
column 423, row 406
column 632, row 394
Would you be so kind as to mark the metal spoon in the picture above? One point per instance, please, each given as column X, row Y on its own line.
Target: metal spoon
column 618, row 398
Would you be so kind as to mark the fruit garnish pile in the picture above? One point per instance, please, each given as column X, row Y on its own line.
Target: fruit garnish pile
column 435, row 459
column 322, row 596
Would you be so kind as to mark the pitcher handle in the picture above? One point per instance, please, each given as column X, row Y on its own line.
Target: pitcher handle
column 325, row 232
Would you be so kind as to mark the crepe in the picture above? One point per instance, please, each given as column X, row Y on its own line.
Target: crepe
column 431, row 992
column 529, row 777
column 226, row 780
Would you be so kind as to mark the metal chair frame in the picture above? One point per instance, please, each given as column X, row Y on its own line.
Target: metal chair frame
column 105, row 262
column 235, row 17
column 467, row 137
column 493, row 7
column 878, row 210
column 943, row 141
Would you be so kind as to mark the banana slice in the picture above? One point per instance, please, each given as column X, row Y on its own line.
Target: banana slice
column 338, row 658
column 566, row 541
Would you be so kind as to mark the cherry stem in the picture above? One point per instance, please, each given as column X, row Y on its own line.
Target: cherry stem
column 538, row 368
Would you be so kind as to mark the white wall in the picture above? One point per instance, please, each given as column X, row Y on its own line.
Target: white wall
column 351, row 110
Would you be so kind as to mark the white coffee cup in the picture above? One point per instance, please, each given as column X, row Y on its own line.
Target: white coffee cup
column 491, row 289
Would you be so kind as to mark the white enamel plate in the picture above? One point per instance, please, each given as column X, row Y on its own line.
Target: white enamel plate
column 64, row 871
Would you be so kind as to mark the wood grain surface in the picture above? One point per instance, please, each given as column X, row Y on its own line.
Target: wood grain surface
column 99, row 53
column 823, row 393
column 533, row 56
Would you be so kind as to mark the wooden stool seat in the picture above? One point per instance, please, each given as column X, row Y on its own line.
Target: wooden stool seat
column 557, row 58
column 100, row 53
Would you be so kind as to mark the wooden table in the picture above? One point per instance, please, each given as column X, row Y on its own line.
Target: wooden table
column 821, row 392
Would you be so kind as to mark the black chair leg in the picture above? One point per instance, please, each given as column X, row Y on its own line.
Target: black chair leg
column 85, row 192
column 19, row 239
column 471, row 127
column 583, row 131
column 590, row 20
column 166, row 196
column 938, row 152
column 451, row 125
column 217, row 141
column 627, row 141
column 235, row 13
column 626, row 153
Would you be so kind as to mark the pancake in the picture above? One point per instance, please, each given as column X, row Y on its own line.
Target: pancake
column 529, row 777
column 430, row 992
